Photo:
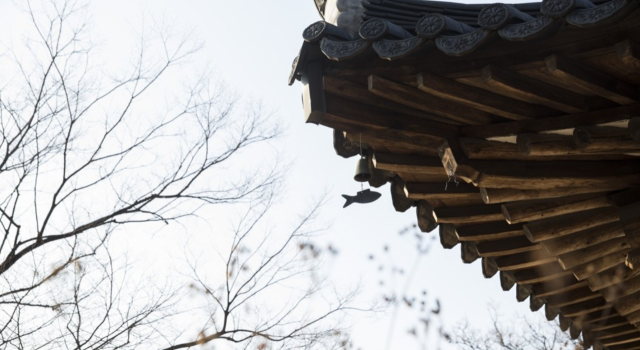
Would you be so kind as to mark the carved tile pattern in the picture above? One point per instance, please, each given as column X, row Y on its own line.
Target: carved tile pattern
column 522, row 31
column 430, row 25
column 557, row 8
column 373, row 29
column 494, row 16
column 337, row 50
column 391, row 49
column 314, row 32
column 461, row 44
column 594, row 15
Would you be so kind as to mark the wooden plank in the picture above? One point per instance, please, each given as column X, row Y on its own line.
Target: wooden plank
column 577, row 295
column 599, row 265
column 592, row 80
column 408, row 163
column 502, row 195
column 546, row 229
column 425, row 190
column 523, row 260
column 483, row 100
column 629, row 53
column 398, row 196
column 496, row 150
column 523, row 88
column 448, row 237
column 489, row 231
column 634, row 128
column 540, row 274
column 628, row 304
column 583, row 239
column 360, row 93
column 585, row 307
column 538, row 209
column 506, row 246
column 561, row 285
column 592, row 253
column 426, row 218
column 549, row 124
column 412, row 97
column 623, row 339
column 468, row 214
column 627, row 287
column 351, row 116
column 468, row 252
column 604, row 139
column 545, row 145
column 611, row 276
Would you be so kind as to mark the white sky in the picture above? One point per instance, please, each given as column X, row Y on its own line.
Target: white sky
column 251, row 44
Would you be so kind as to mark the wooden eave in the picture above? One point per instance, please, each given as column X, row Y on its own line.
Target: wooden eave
column 538, row 119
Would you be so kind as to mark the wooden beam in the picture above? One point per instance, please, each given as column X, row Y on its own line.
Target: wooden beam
column 604, row 139
column 634, row 317
column 583, row 239
column 378, row 139
column 351, row 116
column 468, row 252
column 507, row 280
column 618, row 331
column 496, row 150
column 414, row 98
column 379, row 177
column 551, row 312
column 555, row 227
column 345, row 148
column 561, row 285
column 405, row 163
column 398, row 196
column 489, row 267
column 502, row 195
column 623, row 289
column 538, row 209
column 592, row 253
column 609, row 323
column 601, row 264
column 545, row 145
column 610, row 277
column 550, row 124
column 488, row 231
column 594, row 318
column 591, row 80
column 577, row 295
column 360, row 93
column 564, row 323
column 477, row 98
column 540, row 274
column 448, row 237
column 629, row 53
column 523, row 88
column 426, row 219
column 628, row 304
column 523, row 291
column 544, row 175
column 535, row 303
column 623, row 339
column 585, row 307
column 430, row 190
column 634, row 128
column 506, row 246
column 468, row 214
column 523, row 260
column 625, row 346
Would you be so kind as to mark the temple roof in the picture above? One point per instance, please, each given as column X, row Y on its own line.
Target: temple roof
column 530, row 114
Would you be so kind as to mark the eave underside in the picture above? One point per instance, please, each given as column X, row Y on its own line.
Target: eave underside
column 544, row 138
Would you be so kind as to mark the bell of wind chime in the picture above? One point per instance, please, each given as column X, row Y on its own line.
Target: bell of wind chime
column 363, row 174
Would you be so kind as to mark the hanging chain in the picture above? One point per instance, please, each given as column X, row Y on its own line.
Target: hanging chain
column 450, row 174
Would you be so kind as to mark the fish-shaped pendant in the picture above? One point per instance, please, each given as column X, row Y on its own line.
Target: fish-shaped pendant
column 364, row 196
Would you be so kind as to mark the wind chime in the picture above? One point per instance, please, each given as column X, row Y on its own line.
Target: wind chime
column 363, row 174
